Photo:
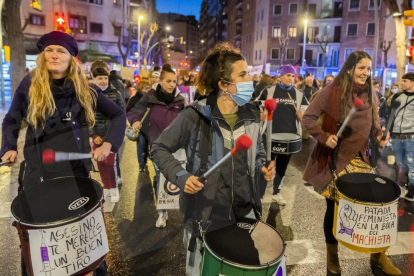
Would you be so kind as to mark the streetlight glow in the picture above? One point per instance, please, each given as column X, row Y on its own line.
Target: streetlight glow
column 305, row 21
column 141, row 17
column 168, row 28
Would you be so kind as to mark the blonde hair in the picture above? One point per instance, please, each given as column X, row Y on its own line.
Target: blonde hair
column 41, row 102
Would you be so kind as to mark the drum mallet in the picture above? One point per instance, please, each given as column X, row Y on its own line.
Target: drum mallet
column 242, row 144
column 394, row 106
column 357, row 104
column 270, row 105
column 50, row 156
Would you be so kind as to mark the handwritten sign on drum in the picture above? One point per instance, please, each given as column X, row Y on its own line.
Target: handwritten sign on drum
column 67, row 249
column 366, row 226
column 168, row 193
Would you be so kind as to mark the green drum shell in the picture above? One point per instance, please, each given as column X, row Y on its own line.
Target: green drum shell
column 213, row 265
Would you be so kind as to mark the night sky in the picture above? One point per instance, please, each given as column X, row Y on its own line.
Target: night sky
column 186, row 7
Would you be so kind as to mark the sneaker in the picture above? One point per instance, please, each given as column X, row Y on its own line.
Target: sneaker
column 118, row 181
column 161, row 221
column 107, row 194
column 165, row 215
column 142, row 169
column 114, row 195
column 409, row 195
column 279, row 199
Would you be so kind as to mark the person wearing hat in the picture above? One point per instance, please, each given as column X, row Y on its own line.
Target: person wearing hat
column 155, row 79
column 59, row 106
column 286, row 119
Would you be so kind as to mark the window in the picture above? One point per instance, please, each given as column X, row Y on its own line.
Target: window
column 97, row 2
column 276, row 32
column 257, row 35
column 352, row 29
column 275, row 54
column 96, row 28
column 354, row 5
column 348, row 51
column 250, row 37
column 78, row 23
column 261, row 34
column 277, row 10
column 262, row 14
column 257, row 17
column 371, row 4
column 369, row 51
column 248, row 6
column 290, row 53
column 260, row 54
column 371, row 29
column 37, row 19
column 293, row 8
column 312, row 10
column 255, row 55
column 292, row 32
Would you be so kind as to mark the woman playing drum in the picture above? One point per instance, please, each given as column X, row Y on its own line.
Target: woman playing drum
column 349, row 152
column 59, row 106
column 218, row 120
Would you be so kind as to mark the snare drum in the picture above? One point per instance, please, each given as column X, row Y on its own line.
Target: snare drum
column 61, row 226
column 286, row 143
column 247, row 248
column 366, row 214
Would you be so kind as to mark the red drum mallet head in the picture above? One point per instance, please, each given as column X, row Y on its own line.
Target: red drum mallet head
column 48, row 156
column 270, row 105
column 358, row 102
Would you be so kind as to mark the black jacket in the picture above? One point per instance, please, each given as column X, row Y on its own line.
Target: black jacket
column 116, row 80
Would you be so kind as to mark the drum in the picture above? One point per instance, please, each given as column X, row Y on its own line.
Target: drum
column 249, row 247
column 286, row 143
column 61, row 227
column 366, row 214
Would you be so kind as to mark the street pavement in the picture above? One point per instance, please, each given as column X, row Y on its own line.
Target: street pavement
column 137, row 247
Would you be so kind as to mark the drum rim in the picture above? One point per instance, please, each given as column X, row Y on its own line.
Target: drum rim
column 64, row 221
column 60, row 222
column 341, row 195
column 250, row 267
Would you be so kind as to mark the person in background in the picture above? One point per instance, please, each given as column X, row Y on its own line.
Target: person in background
column 256, row 80
column 299, row 82
column 394, row 89
column 98, row 64
column 382, row 101
column 155, row 79
column 107, row 167
column 142, row 143
column 115, row 80
column 309, row 89
column 265, row 82
column 180, row 81
column 157, row 69
column 327, row 80
column 165, row 103
column 190, row 80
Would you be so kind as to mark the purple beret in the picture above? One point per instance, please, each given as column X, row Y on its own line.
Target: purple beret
column 58, row 38
column 288, row 68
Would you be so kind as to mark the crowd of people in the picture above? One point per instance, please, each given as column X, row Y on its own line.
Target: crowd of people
column 66, row 113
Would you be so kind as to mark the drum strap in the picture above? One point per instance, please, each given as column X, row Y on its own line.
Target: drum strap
column 86, row 146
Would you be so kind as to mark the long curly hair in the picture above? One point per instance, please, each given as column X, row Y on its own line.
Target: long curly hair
column 41, row 102
column 217, row 66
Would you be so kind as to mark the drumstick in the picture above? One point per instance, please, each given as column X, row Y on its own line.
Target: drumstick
column 394, row 108
column 290, row 97
column 242, row 144
column 357, row 104
column 270, row 105
column 50, row 156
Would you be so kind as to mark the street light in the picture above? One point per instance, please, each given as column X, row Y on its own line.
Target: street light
column 138, row 40
column 304, row 41
column 202, row 41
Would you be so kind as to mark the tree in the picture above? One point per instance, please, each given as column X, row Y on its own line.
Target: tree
column 400, row 37
column 119, row 31
column 283, row 42
column 385, row 48
column 15, row 39
column 324, row 48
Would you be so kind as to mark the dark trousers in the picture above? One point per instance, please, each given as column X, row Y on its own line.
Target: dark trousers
column 329, row 221
column 282, row 162
column 142, row 150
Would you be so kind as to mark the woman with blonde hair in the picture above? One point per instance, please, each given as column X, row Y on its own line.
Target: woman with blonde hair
column 59, row 106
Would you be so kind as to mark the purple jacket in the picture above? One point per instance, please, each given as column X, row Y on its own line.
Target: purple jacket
column 161, row 114
column 18, row 110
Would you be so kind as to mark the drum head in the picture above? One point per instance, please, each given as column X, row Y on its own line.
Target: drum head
column 285, row 136
column 239, row 244
column 367, row 187
column 57, row 200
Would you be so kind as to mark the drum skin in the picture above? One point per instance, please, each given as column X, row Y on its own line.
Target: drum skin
column 257, row 252
column 286, row 143
column 87, row 187
column 361, row 188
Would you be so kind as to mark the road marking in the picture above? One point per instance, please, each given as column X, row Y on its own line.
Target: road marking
column 314, row 251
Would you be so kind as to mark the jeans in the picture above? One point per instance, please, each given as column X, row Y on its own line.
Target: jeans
column 157, row 179
column 142, row 150
column 404, row 156
column 282, row 162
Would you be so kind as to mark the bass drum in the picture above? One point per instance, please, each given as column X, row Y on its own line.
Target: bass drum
column 61, row 226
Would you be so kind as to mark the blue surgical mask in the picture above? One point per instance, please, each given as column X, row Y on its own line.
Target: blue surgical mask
column 104, row 88
column 394, row 90
column 244, row 92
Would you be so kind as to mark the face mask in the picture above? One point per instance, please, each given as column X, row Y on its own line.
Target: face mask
column 394, row 90
column 244, row 92
column 104, row 88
